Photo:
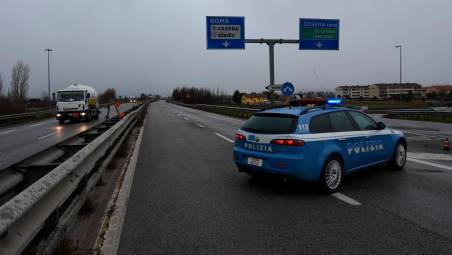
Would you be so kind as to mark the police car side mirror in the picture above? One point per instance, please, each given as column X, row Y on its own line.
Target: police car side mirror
column 381, row 125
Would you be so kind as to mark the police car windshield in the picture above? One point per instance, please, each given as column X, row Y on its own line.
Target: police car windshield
column 271, row 123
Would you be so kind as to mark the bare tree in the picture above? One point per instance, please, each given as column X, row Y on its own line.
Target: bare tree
column 19, row 82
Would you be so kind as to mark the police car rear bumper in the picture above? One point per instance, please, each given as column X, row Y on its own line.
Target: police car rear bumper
column 291, row 165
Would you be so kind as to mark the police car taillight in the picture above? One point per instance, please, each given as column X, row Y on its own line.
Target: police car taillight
column 288, row 142
column 240, row 137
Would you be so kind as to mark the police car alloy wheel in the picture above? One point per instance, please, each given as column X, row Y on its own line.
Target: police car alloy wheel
column 332, row 175
column 399, row 158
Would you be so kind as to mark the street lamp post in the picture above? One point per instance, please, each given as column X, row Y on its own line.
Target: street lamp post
column 400, row 81
column 48, row 75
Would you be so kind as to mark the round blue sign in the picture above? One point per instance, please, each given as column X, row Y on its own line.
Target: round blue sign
column 287, row 89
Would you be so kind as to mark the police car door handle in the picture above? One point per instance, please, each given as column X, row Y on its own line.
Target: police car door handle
column 342, row 139
column 367, row 137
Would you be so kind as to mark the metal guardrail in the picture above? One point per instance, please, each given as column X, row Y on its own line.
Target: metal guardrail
column 26, row 115
column 424, row 115
column 38, row 114
column 230, row 107
column 252, row 110
column 33, row 209
column 418, row 111
column 241, row 112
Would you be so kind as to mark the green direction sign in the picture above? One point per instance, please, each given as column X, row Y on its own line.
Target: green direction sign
column 319, row 33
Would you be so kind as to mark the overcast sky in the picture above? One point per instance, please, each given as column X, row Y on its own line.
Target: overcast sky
column 154, row 46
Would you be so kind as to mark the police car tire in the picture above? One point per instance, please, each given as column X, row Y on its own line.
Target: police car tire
column 393, row 163
column 323, row 178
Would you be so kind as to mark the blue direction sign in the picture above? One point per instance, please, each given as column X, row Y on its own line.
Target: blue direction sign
column 287, row 89
column 225, row 32
column 319, row 34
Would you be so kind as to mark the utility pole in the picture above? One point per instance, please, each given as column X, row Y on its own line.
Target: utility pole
column 48, row 75
column 400, row 81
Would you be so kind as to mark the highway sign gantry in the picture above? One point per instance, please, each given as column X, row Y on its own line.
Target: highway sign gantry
column 319, row 34
column 225, row 32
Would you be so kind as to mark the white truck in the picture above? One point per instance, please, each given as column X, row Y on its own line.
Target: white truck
column 77, row 102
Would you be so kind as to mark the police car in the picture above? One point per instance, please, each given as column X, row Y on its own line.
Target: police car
column 316, row 144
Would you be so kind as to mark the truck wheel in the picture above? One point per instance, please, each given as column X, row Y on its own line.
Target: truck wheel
column 61, row 121
column 332, row 175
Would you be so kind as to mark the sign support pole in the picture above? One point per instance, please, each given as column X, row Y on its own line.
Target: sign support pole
column 271, row 52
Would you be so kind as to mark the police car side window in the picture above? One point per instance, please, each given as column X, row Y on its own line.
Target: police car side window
column 341, row 122
column 320, row 124
column 363, row 122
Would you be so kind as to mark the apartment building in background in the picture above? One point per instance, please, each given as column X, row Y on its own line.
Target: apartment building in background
column 380, row 90
column 439, row 89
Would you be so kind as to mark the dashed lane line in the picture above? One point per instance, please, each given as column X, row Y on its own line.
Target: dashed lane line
column 200, row 125
column 346, row 199
column 35, row 125
column 7, row 132
column 48, row 135
column 185, row 118
column 223, row 137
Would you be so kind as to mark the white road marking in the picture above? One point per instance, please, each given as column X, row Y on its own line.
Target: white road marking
column 35, row 125
column 429, row 156
column 108, row 237
column 7, row 132
column 345, row 199
column 200, row 125
column 51, row 134
column 414, row 133
column 418, row 138
column 429, row 163
column 223, row 137
column 185, row 118
column 210, row 114
column 424, row 135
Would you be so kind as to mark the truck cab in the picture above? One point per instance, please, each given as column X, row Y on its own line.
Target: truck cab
column 77, row 102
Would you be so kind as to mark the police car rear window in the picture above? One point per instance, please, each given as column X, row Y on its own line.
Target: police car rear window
column 321, row 124
column 271, row 123
column 341, row 122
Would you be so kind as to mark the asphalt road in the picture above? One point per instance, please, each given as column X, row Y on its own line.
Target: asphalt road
column 188, row 198
column 22, row 141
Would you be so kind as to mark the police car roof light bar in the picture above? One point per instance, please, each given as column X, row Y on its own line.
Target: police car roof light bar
column 309, row 101
column 334, row 101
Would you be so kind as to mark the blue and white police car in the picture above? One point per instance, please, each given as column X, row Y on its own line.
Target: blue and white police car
column 316, row 144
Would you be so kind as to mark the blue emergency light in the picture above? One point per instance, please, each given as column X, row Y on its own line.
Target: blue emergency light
column 333, row 101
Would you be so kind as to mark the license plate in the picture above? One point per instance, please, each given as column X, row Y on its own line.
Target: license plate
column 255, row 161
column 76, row 115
